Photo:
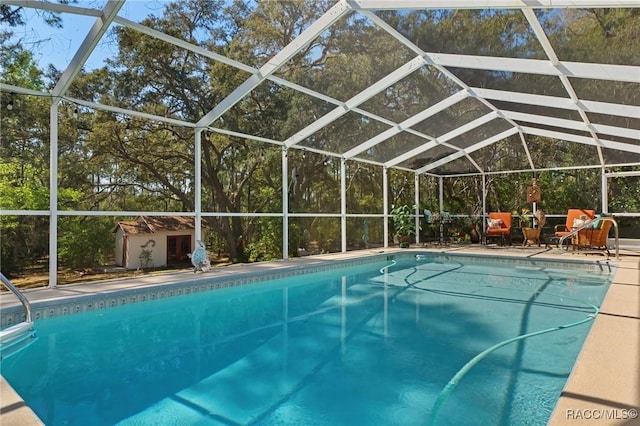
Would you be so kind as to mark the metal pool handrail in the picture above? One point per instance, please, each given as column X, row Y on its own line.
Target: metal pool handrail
column 588, row 224
column 20, row 296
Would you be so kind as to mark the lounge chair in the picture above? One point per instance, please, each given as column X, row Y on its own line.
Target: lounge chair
column 499, row 226
column 575, row 219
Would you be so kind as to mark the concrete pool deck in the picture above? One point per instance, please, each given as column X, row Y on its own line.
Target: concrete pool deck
column 603, row 388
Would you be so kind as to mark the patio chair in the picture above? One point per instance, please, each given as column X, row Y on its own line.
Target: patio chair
column 575, row 219
column 427, row 216
column 429, row 225
column 499, row 226
column 596, row 236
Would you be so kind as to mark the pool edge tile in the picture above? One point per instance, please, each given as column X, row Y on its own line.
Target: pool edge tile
column 13, row 410
column 604, row 385
column 628, row 273
column 605, row 380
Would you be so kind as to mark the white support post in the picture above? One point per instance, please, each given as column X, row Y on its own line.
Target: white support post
column 416, row 193
column 604, row 186
column 53, row 194
column 343, row 203
column 385, row 205
column 440, row 193
column 484, row 204
column 285, row 205
column 198, row 184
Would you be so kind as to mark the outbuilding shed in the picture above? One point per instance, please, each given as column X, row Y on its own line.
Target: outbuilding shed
column 153, row 241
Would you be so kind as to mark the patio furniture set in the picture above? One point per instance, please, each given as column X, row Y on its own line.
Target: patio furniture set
column 584, row 229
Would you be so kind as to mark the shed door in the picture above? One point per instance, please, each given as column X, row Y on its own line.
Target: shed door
column 178, row 247
column 125, row 244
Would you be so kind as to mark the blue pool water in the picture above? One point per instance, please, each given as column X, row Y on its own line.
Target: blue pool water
column 352, row 346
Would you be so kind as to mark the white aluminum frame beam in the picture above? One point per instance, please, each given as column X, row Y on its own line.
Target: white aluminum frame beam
column 307, row 36
column 343, row 205
column 285, row 204
column 620, row 146
column 200, row 51
column 604, row 203
column 408, row 123
column 21, row 90
column 625, row 73
column 428, row 61
column 551, row 54
column 630, row 111
column 475, row 147
column 356, row 100
column 197, row 191
column 385, row 206
column 444, row 138
column 128, row 112
column 539, row 169
column 184, row 44
column 89, row 43
column 54, row 7
column 572, row 124
column 488, row 4
column 53, row 194
column 572, row 69
column 416, row 202
column 239, row 65
column 632, row 173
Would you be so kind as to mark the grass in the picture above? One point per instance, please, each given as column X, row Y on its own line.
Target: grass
column 38, row 275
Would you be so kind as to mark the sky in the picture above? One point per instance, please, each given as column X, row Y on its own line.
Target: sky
column 57, row 46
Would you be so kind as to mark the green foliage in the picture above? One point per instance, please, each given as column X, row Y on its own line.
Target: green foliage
column 21, row 187
column 111, row 162
column 24, row 239
column 267, row 240
column 523, row 217
column 364, row 188
column 401, row 187
column 85, row 242
column 404, row 219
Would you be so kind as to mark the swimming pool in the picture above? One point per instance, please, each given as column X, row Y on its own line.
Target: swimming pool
column 381, row 343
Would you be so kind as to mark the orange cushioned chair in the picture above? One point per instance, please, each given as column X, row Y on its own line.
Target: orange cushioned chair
column 574, row 216
column 595, row 237
column 499, row 225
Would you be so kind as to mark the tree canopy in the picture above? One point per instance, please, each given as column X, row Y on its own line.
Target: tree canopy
column 111, row 161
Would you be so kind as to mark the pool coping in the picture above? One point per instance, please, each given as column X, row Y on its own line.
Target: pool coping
column 604, row 384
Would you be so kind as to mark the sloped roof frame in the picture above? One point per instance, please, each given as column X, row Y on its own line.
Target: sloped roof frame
column 552, row 67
